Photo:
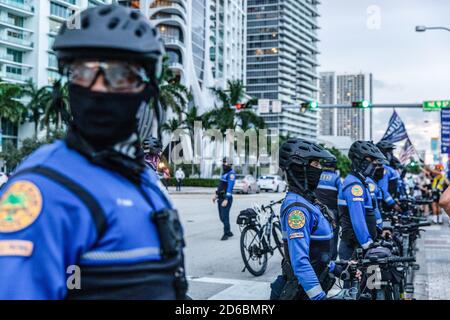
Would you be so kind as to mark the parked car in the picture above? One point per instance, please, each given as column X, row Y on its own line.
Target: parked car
column 245, row 184
column 272, row 183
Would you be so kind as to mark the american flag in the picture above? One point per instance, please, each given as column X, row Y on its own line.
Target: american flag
column 407, row 152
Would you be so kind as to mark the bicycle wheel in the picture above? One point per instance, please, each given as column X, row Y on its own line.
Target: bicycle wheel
column 252, row 251
column 278, row 237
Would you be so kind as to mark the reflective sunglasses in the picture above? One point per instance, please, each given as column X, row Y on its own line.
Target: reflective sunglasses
column 118, row 76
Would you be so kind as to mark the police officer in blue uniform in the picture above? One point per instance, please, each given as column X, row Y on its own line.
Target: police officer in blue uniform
column 306, row 226
column 327, row 193
column 224, row 197
column 389, row 183
column 83, row 218
column 357, row 209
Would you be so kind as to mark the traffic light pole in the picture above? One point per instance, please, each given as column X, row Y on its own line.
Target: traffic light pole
column 373, row 106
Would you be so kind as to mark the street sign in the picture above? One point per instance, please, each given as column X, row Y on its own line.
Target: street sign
column 264, row 105
column 276, row 106
column 445, row 131
column 436, row 105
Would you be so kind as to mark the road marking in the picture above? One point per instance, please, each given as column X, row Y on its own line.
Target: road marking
column 239, row 289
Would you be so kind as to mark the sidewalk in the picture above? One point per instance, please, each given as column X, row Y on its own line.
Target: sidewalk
column 192, row 190
column 432, row 281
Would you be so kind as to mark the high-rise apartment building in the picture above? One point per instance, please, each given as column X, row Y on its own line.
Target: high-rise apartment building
column 345, row 89
column 282, row 60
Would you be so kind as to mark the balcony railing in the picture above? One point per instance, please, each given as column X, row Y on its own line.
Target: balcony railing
column 19, row 41
column 14, row 76
column 17, row 4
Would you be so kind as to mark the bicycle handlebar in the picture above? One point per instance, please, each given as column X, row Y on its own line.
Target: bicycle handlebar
column 272, row 203
column 373, row 260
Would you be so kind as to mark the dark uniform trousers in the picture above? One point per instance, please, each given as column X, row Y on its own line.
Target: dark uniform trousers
column 224, row 214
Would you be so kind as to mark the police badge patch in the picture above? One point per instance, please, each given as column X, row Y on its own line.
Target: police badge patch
column 20, row 206
column 372, row 187
column 357, row 191
column 296, row 219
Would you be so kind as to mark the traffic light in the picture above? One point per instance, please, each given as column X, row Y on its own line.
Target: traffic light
column 363, row 104
column 312, row 106
column 436, row 105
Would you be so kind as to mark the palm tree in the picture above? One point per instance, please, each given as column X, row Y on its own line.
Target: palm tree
column 170, row 127
column 57, row 109
column 226, row 117
column 39, row 99
column 10, row 106
column 172, row 94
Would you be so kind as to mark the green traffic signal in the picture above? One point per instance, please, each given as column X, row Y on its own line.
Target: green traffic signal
column 362, row 104
column 312, row 105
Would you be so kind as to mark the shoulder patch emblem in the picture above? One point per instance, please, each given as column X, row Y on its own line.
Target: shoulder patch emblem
column 232, row 177
column 357, row 191
column 20, row 206
column 296, row 219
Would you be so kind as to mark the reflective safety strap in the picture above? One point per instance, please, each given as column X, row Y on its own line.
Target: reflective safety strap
column 314, row 291
column 325, row 237
column 120, row 255
column 327, row 187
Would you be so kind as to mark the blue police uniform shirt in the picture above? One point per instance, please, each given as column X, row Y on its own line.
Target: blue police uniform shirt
column 302, row 227
column 390, row 174
column 44, row 228
column 354, row 200
column 226, row 185
column 375, row 193
column 328, row 189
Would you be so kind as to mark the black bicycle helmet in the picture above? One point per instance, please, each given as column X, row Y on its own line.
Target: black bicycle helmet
column 385, row 146
column 362, row 149
column 152, row 145
column 302, row 152
column 332, row 163
column 111, row 32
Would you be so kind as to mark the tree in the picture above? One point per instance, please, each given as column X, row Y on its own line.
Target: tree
column 40, row 98
column 172, row 94
column 57, row 109
column 344, row 165
column 10, row 106
column 226, row 117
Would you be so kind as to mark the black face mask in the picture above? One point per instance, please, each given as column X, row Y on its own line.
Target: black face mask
column 379, row 174
column 226, row 168
column 104, row 118
column 313, row 177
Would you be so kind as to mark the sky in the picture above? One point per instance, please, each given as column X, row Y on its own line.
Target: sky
column 378, row 36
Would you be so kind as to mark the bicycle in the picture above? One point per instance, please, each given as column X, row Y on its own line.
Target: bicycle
column 257, row 235
column 388, row 289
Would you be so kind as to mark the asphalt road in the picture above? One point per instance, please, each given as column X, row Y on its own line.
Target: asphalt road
column 215, row 267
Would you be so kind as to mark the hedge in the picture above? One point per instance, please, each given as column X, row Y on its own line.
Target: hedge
column 206, row 183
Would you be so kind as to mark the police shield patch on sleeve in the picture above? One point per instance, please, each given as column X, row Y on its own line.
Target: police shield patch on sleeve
column 232, row 177
column 20, row 206
column 296, row 219
column 372, row 187
column 357, row 191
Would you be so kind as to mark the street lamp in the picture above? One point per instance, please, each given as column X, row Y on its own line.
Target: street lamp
column 424, row 28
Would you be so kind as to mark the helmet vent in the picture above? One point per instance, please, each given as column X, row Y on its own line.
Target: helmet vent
column 134, row 15
column 105, row 11
column 113, row 23
column 85, row 23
